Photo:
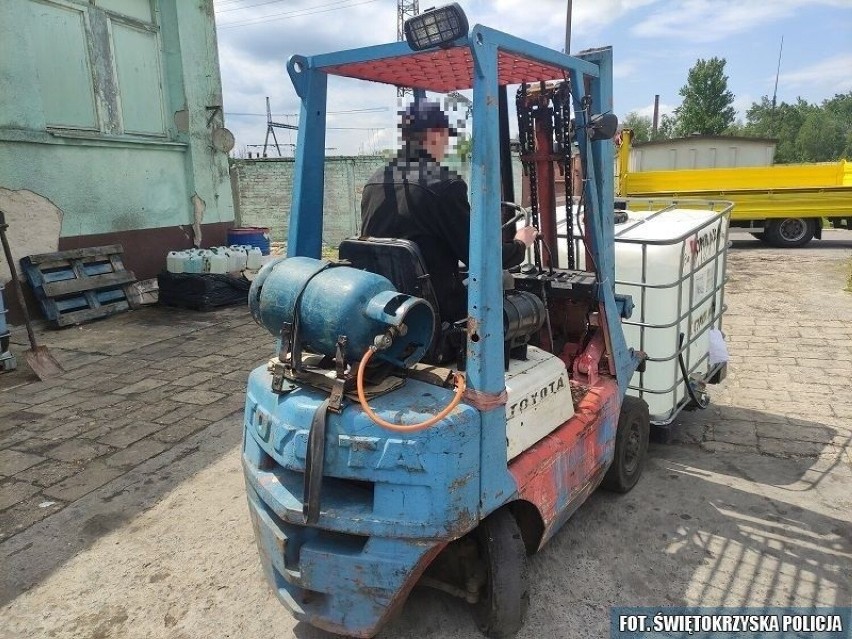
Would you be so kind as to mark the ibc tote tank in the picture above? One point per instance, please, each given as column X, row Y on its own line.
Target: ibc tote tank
column 672, row 263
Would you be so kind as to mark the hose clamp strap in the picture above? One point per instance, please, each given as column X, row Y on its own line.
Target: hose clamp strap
column 485, row 401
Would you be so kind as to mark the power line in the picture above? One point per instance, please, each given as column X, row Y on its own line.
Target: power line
column 335, row 6
column 250, row 6
column 293, row 115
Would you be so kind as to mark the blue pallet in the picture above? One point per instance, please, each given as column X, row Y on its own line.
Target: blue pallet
column 80, row 285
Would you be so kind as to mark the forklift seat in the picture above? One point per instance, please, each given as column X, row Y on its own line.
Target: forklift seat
column 401, row 262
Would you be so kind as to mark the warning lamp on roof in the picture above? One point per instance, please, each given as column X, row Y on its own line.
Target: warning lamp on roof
column 436, row 27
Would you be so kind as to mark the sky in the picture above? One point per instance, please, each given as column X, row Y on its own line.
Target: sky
column 655, row 42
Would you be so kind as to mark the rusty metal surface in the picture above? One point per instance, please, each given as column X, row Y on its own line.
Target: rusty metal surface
column 558, row 473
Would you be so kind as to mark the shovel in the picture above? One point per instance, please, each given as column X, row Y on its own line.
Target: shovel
column 38, row 357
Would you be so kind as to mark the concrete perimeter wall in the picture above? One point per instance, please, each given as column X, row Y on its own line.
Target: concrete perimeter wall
column 263, row 189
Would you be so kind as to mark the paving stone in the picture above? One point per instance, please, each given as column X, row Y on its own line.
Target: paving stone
column 126, row 435
column 210, row 361
column 79, row 360
column 735, row 432
column 198, row 396
column 102, row 400
column 78, row 450
column 180, row 430
column 13, row 462
column 169, row 363
column 70, row 428
column 141, row 386
column 35, row 446
column 64, row 403
column 219, row 409
column 44, row 391
column 91, row 478
column 725, row 447
column 183, row 411
column 194, row 378
column 13, row 491
column 158, row 395
column 785, row 448
column 92, row 380
column 136, row 453
column 21, row 418
column 26, row 513
column 238, row 376
column 7, row 407
column 12, row 437
column 48, row 472
column 792, row 432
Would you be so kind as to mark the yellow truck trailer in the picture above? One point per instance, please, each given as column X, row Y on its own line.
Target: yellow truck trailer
column 783, row 205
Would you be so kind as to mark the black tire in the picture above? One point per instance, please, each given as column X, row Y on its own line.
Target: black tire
column 791, row 232
column 631, row 446
column 505, row 597
column 759, row 236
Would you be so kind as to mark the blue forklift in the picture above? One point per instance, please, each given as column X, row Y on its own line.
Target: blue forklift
column 377, row 458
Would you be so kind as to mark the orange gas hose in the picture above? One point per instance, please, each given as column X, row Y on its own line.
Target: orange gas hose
column 403, row 428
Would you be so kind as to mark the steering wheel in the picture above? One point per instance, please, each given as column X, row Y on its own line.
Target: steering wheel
column 521, row 212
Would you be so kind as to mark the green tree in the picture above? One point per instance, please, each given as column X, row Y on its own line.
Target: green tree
column 641, row 126
column 841, row 107
column 707, row 103
column 668, row 128
column 782, row 122
column 821, row 138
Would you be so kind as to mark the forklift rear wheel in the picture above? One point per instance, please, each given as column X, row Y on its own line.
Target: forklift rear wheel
column 505, row 596
column 631, row 446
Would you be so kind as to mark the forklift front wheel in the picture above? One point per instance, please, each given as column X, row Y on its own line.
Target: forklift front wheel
column 505, row 596
column 631, row 446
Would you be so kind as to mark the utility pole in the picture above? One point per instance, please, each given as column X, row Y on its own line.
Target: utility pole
column 405, row 9
column 270, row 128
column 568, row 28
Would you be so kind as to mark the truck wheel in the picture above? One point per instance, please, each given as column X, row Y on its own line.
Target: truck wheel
column 505, row 597
column 791, row 232
column 631, row 446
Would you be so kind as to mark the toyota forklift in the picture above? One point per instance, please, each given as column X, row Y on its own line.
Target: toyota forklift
column 385, row 447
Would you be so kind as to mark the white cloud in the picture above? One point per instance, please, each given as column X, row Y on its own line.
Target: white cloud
column 714, row 20
column 648, row 110
column 672, row 33
column 832, row 75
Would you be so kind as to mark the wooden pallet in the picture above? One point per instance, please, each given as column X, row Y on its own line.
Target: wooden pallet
column 80, row 285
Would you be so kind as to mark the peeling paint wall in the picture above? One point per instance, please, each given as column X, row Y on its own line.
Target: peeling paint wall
column 34, row 224
column 113, row 105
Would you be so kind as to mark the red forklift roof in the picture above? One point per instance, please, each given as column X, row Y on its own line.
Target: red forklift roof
column 445, row 70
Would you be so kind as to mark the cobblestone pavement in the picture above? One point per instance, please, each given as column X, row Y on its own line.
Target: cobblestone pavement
column 122, row 511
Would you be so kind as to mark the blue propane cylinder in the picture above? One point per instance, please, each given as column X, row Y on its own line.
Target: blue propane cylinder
column 340, row 300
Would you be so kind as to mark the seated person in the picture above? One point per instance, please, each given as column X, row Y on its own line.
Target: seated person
column 415, row 198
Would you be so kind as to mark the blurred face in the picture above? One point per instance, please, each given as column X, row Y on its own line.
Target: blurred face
column 436, row 143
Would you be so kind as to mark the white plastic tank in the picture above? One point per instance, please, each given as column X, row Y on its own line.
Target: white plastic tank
column 217, row 262
column 239, row 256
column 671, row 261
column 255, row 258
column 175, row 261
column 194, row 263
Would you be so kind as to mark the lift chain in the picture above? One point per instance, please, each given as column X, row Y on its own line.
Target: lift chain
column 557, row 101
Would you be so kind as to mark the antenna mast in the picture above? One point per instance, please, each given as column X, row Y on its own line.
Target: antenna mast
column 405, row 9
column 777, row 73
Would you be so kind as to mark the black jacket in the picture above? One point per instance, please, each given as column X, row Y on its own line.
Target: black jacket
column 415, row 198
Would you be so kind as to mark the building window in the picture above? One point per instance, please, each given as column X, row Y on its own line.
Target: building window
column 99, row 66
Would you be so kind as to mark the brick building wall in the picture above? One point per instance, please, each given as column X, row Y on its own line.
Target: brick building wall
column 263, row 190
